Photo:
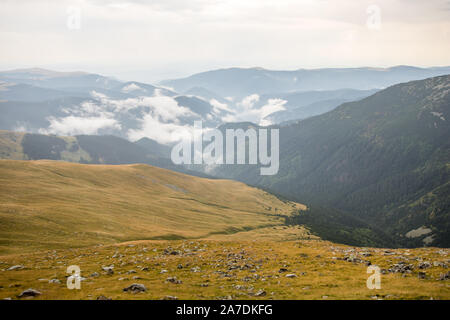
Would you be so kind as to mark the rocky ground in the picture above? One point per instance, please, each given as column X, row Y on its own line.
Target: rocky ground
column 212, row 269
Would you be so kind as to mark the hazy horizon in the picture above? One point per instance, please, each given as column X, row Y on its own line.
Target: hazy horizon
column 149, row 42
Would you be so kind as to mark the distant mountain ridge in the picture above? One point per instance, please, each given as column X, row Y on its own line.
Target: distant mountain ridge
column 239, row 82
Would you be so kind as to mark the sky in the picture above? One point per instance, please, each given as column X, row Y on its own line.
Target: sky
column 154, row 40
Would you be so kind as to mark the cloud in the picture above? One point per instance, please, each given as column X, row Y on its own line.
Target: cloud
column 156, row 117
column 73, row 125
column 249, row 101
column 254, row 114
column 153, row 128
column 218, row 107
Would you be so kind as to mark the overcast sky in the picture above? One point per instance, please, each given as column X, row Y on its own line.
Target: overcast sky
column 154, row 40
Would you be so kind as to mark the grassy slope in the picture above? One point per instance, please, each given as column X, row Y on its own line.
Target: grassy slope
column 49, row 204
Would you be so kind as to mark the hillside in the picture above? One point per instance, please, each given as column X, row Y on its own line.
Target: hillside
column 374, row 159
column 89, row 149
column 48, row 204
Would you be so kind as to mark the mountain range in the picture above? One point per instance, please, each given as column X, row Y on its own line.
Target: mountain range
column 372, row 164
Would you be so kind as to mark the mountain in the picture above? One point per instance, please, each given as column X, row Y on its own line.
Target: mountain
column 154, row 147
column 204, row 94
column 305, row 104
column 69, row 81
column 383, row 160
column 48, row 205
column 31, row 93
column 241, row 82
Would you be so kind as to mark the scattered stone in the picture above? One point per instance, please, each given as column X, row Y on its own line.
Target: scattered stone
column 103, row 298
column 260, row 293
column 57, row 281
column 131, row 271
column 16, row 267
column 170, row 298
column 422, row 275
column 135, row 288
column 291, row 275
column 401, row 267
column 163, row 271
column 440, row 264
column 174, row 280
column 424, row 265
column 29, row 293
column 283, row 270
column 444, row 276
column 195, row 269
column 95, row 275
column 109, row 270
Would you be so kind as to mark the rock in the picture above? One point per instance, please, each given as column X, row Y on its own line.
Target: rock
column 401, row 267
column 135, row 288
column 180, row 266
column 291, row 275
column 422, row 275
column 173, row 280
column 283, row 270
column 16, row 267
column 29, row 293
column 170, row 298
column 7, row 298
column 260, row 293
column 131, row 271
column 109, row 270
column 444, row 276
column 195, row 269
column 103, row 298
column 163, row 271
column 57, row 281
column 424, row 265
column 145, row 269
column 95, row 274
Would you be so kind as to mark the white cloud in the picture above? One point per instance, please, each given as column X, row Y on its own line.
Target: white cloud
column 153, row 128
column 73, row 125
column 254, row 114
column 218, row 107
column 249, row 101
column 160, row 120
column 131, row 87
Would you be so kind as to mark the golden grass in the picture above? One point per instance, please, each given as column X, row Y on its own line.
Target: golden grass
column 51, row 204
